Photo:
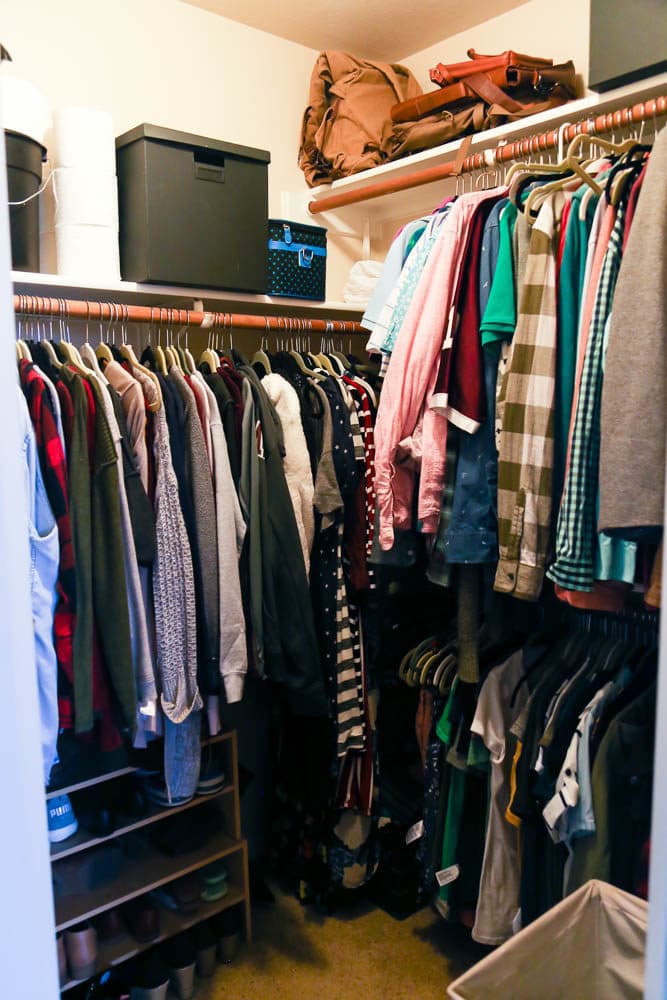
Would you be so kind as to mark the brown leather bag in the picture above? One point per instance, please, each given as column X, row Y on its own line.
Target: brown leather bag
column 499, row 88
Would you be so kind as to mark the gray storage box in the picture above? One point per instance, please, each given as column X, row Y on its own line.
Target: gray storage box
column 192, row 211
column 627, row 42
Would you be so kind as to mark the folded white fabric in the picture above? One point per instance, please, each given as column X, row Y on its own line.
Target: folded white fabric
column 361, row 282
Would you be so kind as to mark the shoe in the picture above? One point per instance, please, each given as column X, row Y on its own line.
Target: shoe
column 151, row 979
column 81, row 949
column 205, row 946
column 62, row 958
column 107, row 988
column 62, row 821
column 212, row 893
column 226, row 927
column 215, row 873
column 109, row 925
column 211, row 775
column 96, row 817
column 156, row 790
column 143, row 920
column 180, row 956
column 181, row 896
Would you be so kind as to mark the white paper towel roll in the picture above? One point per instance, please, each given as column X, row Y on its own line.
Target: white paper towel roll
column 85, row 197
column 48, row 252
column 83, row 137
column 88, row 252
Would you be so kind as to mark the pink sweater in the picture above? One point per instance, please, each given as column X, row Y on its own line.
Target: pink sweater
column 405, row 414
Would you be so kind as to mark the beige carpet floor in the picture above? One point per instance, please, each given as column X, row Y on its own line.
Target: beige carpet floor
column 360, row 953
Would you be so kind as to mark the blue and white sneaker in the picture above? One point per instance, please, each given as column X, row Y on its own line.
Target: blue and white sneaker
column 62, row 821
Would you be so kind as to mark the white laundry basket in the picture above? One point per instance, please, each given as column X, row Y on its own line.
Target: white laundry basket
column 588, row 947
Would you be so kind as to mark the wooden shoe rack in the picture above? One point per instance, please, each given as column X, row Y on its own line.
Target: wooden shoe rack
column 143, row 867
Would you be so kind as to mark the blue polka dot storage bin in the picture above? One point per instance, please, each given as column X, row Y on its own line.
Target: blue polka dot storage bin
column 297, row 260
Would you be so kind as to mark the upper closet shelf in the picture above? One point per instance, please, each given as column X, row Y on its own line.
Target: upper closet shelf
column 214, row 300
column 417, row 200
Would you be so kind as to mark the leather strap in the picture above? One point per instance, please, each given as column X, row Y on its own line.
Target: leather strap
column 492, row 94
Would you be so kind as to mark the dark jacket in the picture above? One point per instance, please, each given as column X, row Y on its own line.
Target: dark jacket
column 290, row 643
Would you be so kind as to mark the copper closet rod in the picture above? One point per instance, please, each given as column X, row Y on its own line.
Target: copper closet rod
column 35, row 305
column 644, row 111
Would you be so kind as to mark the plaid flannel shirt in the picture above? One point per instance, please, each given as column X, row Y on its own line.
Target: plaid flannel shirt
column 576, row 538
column 525, row 466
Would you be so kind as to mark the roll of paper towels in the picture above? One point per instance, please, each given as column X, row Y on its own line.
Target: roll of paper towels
column 83, row 137
column 48, row 252
column 24, row 109
column 88, row 252
column 85, row 197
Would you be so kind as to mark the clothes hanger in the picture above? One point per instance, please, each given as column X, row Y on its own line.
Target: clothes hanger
column 345, row 362
column 189, row 359
column 51, row 352
column 173, row 360
column 159, row 353
column 126, row 348
column 127, row 351
column 260, row 357
column 70, row 350
column 22, row 349
column 88, row 354
column 103, row 351
column 208, row 355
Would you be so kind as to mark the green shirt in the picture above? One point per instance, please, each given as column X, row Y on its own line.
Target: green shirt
column 499, row 319
column 570, row 288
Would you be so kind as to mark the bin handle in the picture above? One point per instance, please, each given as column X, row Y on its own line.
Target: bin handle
column 305, row 257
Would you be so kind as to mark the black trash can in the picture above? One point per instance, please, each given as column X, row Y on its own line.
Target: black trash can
column 24, row 176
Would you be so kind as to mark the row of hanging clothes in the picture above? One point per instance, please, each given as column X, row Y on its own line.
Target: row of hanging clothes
column 537, row 778
column 195, row 522
column 521, row 422
column 520, row 463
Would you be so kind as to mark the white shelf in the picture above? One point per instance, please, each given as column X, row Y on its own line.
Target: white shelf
column 413, row 202
column 132, row 293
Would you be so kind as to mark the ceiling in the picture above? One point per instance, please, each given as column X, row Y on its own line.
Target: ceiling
column 374, row 29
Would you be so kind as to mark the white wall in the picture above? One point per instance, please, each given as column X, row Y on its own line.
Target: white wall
column 27, row 942
column 558, row 31
column 170, row 64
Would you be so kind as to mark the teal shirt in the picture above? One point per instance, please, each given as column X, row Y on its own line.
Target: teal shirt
column 499, row 319
column 570, row 289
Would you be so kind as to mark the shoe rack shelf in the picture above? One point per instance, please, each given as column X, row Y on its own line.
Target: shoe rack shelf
column 121, row 772
column 126, row 947
column 140, row 867
column 82, row 841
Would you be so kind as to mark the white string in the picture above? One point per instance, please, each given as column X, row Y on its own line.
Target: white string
column 16, row 204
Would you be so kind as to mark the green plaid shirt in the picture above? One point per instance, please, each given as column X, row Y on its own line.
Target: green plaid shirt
column 576, row 538
column 525, row 465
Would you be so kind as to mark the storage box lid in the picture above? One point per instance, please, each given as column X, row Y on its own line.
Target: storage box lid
column 187, row 139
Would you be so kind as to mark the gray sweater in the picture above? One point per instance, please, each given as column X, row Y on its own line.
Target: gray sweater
column 634, row 393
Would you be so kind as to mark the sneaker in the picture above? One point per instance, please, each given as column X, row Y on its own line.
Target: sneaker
column 157, row 793
column 211, row 775
column 62, row 821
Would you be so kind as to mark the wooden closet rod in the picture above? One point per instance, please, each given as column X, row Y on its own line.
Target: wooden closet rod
column 35, row 305
column 644, row 111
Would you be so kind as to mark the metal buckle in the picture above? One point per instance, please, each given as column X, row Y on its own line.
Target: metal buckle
column 305, row 257
column 543, row 87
